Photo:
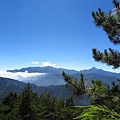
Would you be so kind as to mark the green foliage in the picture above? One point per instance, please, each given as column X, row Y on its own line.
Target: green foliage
column 26, row 107
column 29, row 106
column 110, row 22
column 77, row 86
column 97, row 112
column 9, row 98
column 103, row 98
column 110, row 58
column 97, row 89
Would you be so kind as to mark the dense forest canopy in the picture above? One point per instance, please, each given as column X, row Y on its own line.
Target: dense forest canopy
column 30, row 106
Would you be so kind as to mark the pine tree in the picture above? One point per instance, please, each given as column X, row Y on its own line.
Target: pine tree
column 105, row 98
column 110, row 23
column 77, row 86
column 26, row 111
column 8, row 106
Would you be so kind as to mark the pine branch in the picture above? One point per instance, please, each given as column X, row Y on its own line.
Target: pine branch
column 77, row 86
column 95, row 112
column 110, row 58
column 109, row 22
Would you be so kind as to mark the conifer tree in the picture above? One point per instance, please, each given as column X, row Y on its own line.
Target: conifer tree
column 8, row 106
column 110, row 23
column 25, row 109
column 76, row 86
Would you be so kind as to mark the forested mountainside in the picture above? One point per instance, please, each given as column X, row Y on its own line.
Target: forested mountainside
column 7, row 85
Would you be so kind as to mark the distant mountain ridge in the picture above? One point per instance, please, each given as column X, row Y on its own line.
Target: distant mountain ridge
column 100, row 71
column 53, row 70
column 47, row 69
column 52, row 81
column 53, row 76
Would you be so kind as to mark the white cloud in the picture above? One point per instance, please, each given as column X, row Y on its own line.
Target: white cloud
column 47, row 63
column 19, row 75
column 35, row 63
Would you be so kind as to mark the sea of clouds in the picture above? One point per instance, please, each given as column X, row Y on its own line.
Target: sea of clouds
column 19, row 75
column 24, row 76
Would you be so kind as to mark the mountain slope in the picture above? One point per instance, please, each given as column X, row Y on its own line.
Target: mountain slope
column 60, row 92
column 93, row 76
column 7, row 85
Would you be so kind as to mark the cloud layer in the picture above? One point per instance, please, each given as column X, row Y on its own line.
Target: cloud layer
column 47, row 63
column 25, row 75
column 35, row 63
column 19, row 75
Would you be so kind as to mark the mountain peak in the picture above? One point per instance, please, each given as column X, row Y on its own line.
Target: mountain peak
column 94, row 68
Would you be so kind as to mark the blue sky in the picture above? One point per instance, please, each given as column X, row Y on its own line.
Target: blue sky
column 59, row 33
